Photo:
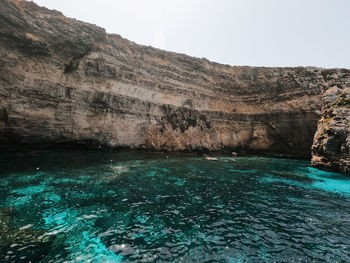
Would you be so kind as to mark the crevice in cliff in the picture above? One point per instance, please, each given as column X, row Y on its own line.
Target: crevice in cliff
column 73, row 65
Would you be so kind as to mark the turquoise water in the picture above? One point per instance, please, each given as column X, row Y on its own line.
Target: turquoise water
column 134, row 207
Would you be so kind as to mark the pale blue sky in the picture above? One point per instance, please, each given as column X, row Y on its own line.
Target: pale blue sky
column 235, row 32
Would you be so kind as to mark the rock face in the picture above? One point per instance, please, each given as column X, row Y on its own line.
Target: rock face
column 331, row 147
column 65, row 81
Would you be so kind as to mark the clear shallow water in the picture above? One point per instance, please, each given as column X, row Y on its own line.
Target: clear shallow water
column 133, row 207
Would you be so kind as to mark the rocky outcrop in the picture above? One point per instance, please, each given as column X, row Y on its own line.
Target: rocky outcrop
column 331, row 147
column 65, row 81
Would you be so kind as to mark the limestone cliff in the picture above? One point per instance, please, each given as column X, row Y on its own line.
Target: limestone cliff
column 65, row 81
column 331, row 148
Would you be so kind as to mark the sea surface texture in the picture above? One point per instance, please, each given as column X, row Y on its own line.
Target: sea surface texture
column 85, row 206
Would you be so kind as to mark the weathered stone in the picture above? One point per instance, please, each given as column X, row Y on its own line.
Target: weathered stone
column 65, row 81
column 331, row 147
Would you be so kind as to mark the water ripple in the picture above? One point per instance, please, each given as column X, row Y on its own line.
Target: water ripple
column 133, row 208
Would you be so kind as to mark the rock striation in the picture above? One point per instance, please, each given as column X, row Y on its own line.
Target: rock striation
column 66, row 81
column 331, row 147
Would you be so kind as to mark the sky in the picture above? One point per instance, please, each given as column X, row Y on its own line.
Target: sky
column 235, row 32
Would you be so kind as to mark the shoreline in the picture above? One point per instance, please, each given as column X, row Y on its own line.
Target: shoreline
column 27, row 148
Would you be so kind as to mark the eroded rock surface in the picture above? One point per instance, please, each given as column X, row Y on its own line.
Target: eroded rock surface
column 65, row 81
column 331, row 147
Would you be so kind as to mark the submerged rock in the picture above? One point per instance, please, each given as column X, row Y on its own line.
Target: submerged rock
column 331, row 147
column 23, row 244
column 209, row 158
column 5, row 218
